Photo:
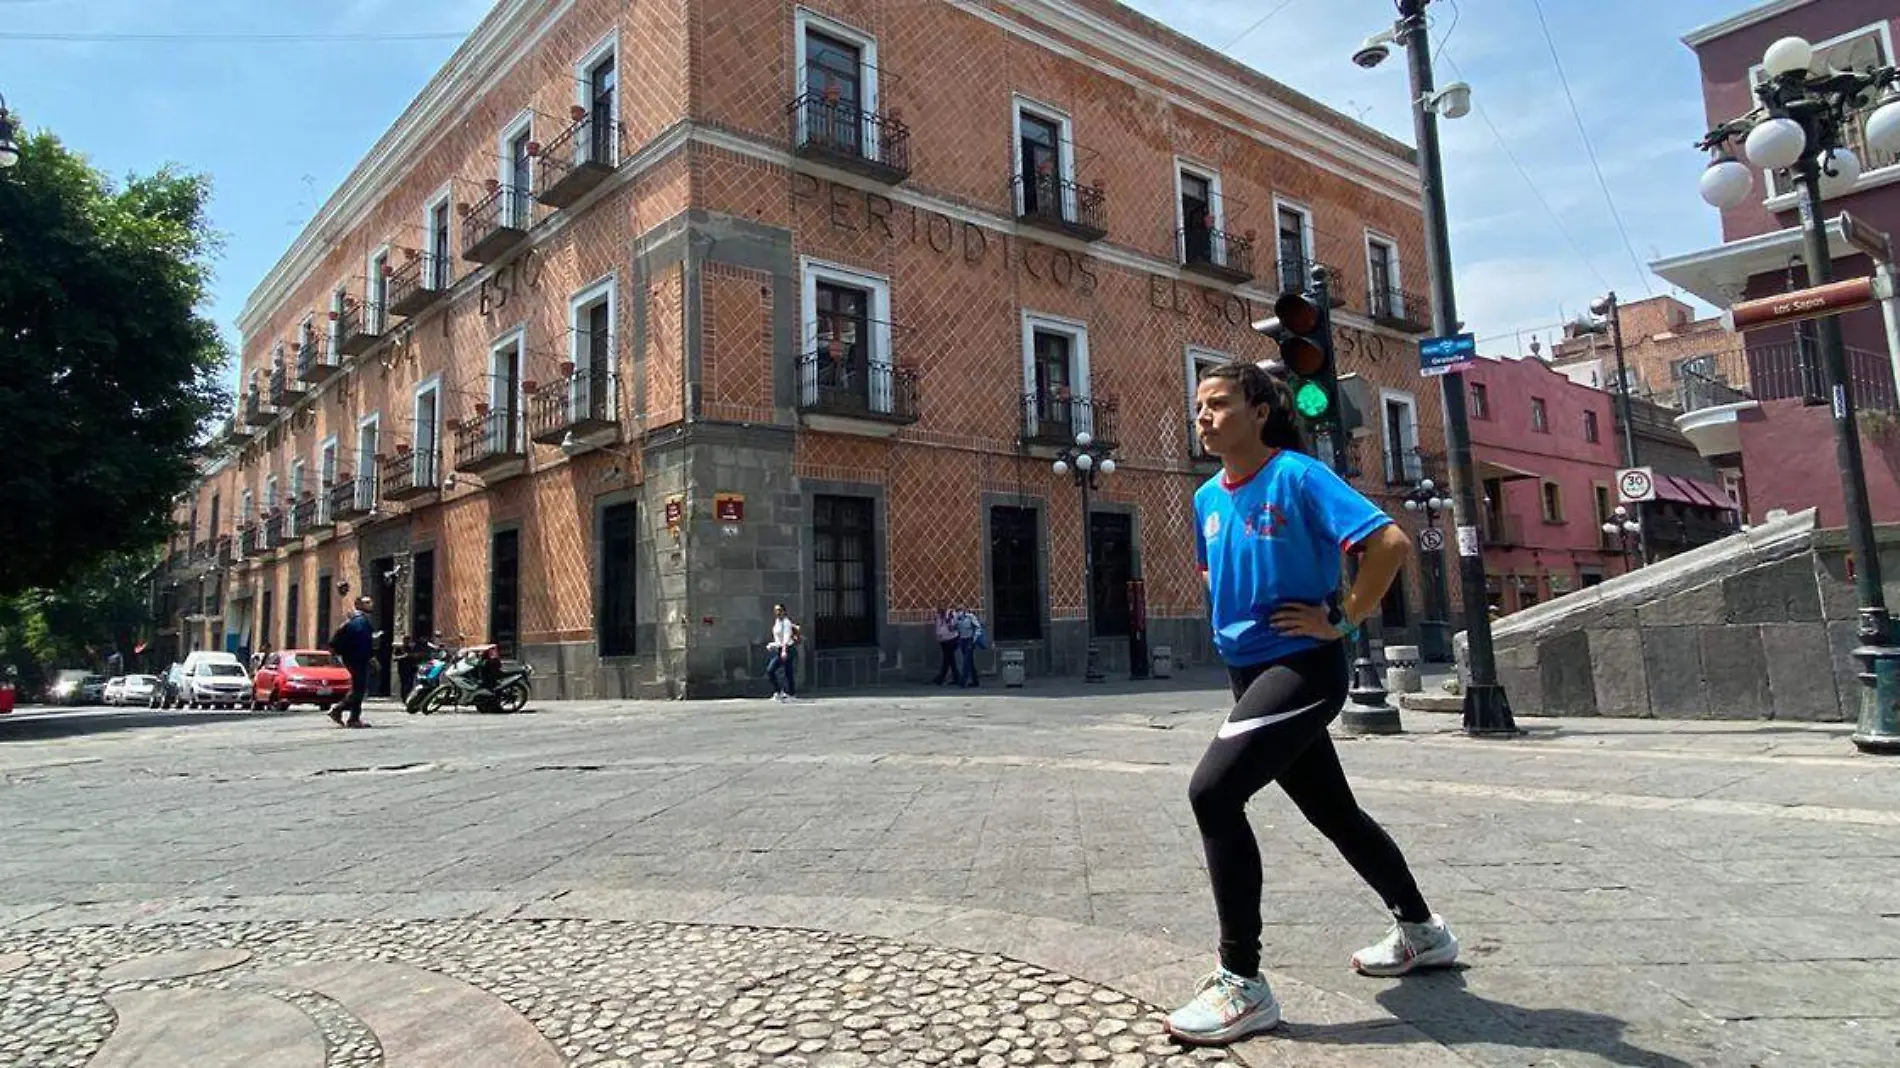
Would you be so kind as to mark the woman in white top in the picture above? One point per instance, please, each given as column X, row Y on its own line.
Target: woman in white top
column 781, row 655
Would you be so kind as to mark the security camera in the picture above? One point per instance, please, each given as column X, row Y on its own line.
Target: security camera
column 1375, row 49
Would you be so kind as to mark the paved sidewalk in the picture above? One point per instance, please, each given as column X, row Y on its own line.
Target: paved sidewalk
column 981, row 877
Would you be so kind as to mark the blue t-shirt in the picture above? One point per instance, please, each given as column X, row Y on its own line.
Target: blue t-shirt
column 1275, row 539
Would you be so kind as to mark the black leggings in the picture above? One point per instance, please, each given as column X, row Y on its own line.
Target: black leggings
column 1307, row 689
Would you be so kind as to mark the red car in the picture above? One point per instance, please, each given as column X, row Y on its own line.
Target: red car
column 299, row 677
column 6, row 696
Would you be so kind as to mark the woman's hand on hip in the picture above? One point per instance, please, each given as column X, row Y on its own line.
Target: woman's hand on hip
column 1305, row 621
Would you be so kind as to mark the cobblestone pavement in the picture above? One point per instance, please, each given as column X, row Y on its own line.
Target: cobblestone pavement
column 903, row 876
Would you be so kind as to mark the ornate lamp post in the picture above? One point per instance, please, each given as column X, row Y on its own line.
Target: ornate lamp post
column 1627, row 531
column 9, row 151
column 1800, row 127
column 1428, row 500
column 1086, row 461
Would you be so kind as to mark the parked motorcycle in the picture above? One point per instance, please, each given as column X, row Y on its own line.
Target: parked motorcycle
column 428, row 678
column 476, row 677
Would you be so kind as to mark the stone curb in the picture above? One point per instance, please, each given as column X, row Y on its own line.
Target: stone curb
column 1324, row 1028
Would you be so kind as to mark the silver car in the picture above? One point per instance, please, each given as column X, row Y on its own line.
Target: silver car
column 216, row 685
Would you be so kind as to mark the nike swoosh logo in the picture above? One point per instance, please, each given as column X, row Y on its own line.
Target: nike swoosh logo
column 1235, row 728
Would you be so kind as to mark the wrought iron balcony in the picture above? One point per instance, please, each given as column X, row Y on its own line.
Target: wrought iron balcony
column 250, row 538
column 236, row 430
column 352, row 498
column 226, row 550
column 1296, row 273
column 490, row 446
column 1217, row 253
column 1054, row 420
column 285, row 388
column 359, row 326
column 415, row 284
column 830, row 130
column 259, row 409
column 493, row 226
column 312, row 514
column 314, row 360
column 834, row 385
column 410, row 475
column 580, row 404
column 1779, row 372
column 1400, row 310
column 271, row 534
column 577, row 160
column 1055, row 203
column 1406, row 467
column 204, row 555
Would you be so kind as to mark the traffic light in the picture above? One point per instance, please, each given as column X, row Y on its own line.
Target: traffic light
column 1302, row 326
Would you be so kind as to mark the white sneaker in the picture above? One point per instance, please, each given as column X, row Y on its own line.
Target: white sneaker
column 1226, row 1008
column 1408, row 946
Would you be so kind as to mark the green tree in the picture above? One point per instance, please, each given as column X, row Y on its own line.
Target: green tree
column 109, row 374
column 100, row 611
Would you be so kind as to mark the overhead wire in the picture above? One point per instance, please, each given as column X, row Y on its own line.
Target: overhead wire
column 1642, row 272
column 1261, row 21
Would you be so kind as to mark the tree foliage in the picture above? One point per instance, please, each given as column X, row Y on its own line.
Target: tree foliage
column 109, row 374
column 96, row 613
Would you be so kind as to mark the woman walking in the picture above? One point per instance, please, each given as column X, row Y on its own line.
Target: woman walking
column 1270, row 532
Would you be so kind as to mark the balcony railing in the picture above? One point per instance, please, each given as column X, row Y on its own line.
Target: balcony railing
column 250, row 540
column 225, row 550
column 1407, row 467
column 271, row 533
column 314, row 360
column 204, row 554
column 259, row 409
column 409, row 475
column 414, row 284
column 285, row 388
column 1698, row 391
column 1054, row 420
column 490, row 445
column 495, row 224
column 359, row 326
column 1296, row 274
column 1217, row 253
column 312, row 514
column 352, row 498
column 1055, row 203
column 236, row 430
column 857, row 389
column 839, row 132
column 577, row 160
column 1779, row 372
column 1400, row 310
column 579, row 403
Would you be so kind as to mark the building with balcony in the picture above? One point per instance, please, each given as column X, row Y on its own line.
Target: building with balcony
column 1770, row 434
column 621, row 363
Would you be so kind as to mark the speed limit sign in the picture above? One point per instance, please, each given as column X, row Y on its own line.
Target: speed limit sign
column 1635, row 484
column 1431, row 539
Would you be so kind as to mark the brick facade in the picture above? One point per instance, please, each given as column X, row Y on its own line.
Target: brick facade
column 712, row 235
column 1660, row 336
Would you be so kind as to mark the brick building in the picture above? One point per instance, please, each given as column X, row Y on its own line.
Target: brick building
column 598, row 355
column 1668, row 353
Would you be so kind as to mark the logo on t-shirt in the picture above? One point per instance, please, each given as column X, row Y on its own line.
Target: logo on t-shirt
column 1264, row 521
column 1211, row 529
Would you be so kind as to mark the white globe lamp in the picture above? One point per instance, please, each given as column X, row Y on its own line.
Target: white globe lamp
column 1084, row 462
column 1427, row 485
column 1776, row 144
column 1411, row 506
column 1840, row 169
column 1883, row 128
column 1726, row 182
column 1083, row 439
column 1786, row 56
column 1059, row 468
column 1108, row 466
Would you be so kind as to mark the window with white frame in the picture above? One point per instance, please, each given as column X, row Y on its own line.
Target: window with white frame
column 339, row 302
column 1202, row 222
column 368, row 443
column 591, row 331
column 435, row 227
column 296, row 495
column 270, row 494
column 1293, row 245
column 376, row 291
column 1404, row 465
column 845, row 361
column 427, row 416
column 597, row 89
column 1384, row 297
column 1859, row 49
column 517, row 172
column 505, row 361
column 327, row 475
column 1045, row 162
column 247, row 508
column 1056, row 377
column 1199, row 362
column 837, row 76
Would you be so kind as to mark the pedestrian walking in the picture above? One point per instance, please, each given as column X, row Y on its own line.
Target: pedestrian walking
column 781, row 662
column 947, row 669
column 968, row 627
column 1270, row 531
column 354, row 643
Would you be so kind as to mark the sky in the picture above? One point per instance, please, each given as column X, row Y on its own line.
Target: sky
column 278, row 124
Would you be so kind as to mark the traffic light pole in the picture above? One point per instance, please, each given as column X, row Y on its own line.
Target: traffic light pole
column 1487, row 710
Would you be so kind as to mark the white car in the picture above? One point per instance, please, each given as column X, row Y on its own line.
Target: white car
column 137, row 690
column 115, row 691
column 216, row 684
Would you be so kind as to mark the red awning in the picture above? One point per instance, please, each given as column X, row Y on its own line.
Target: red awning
column 1692, row 491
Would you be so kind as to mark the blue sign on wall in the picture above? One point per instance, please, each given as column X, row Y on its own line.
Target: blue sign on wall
column 1443, row 355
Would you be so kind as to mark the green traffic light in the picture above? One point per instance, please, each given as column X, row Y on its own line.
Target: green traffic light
column 1311, row 401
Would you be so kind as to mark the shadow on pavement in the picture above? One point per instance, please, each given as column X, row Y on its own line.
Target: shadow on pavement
column 1440, row 1006
column 49, row 724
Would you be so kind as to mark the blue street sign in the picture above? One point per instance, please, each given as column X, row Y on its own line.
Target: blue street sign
column 1442, row 355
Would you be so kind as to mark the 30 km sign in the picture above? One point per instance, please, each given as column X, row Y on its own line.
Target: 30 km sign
column 1635, row 484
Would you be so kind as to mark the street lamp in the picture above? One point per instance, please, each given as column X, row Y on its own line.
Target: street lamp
column 9, row 151
column 1428, row 500
column 1628, row 532
column 1607, row 307
column 1086, row 460
column 1799, row 128
column 1487, row 710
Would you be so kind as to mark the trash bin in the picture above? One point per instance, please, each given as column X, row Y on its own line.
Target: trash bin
column 1011, row 662
column 1401, row 669
column 1163, row 666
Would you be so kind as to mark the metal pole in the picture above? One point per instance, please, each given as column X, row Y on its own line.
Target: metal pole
column 1092, row 667
column 1629, row 422
column 1486, row 708
column 1879, row 721
column 1433, row 630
